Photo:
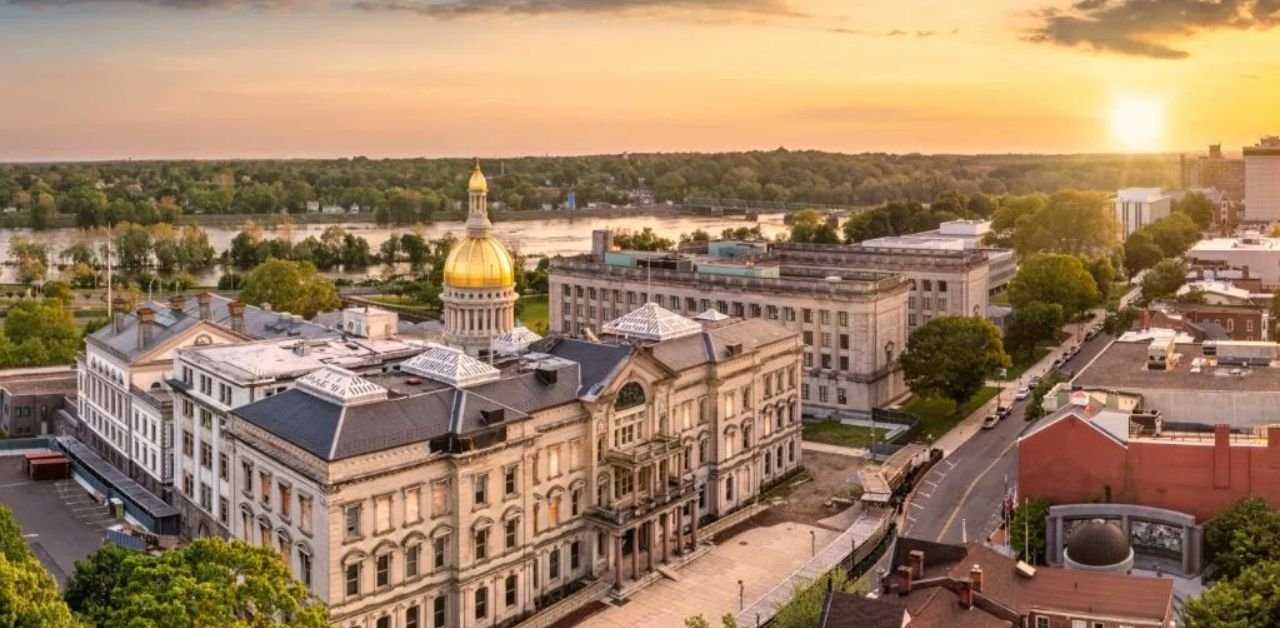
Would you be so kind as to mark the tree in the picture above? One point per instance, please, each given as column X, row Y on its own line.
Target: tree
column 1054, row 278
column 1197, row 207
column 1163, row 280
column 1072, row 222
column 644, row 240
column 45, row 331
column 804, row 608
column 1103, row 273
column 1174, row 234
column 1245, row 534
column 1242, row 602
column 59, row 290
column 1005, row 218
column 810, row 225
column 952, row 356
column 1119, row 321
column 211, row 582
column 288, row 286
column 28, row 594
column 1032, row 324
column 1029, row 519
column 1140, row 252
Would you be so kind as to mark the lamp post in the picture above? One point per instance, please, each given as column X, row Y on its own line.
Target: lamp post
column 742, row 593
column 813, row 543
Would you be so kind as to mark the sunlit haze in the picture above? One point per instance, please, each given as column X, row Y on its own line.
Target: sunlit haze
column 224, row 78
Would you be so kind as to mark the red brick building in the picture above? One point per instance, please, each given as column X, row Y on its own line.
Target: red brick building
column 1086, row 452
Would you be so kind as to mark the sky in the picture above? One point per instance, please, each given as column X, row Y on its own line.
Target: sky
column 117, row 79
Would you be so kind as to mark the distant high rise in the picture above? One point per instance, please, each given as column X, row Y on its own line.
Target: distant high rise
column 1262, row 180
column 1214, row 171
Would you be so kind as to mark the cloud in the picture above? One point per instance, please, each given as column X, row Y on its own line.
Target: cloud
column 193, row 5
column 446, row 9
column 1148, row 28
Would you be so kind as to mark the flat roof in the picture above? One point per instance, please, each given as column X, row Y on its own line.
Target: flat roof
column 1222, row 245
column 268, row 359
column 1123, row 366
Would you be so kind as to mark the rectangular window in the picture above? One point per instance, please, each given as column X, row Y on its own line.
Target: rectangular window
column 438, row 547
column 822, row 394
column 206, row 456
column 246, row 472
column 438, row 612
column 808, row 338
column 575, row 555
column 826, row 360
column 840, row 397
column 222, row 466
column 553, row 461
column 352, row 517
column 286, row 500
column 411, row 556
column 510, row 587
column 411, row 617
column 575, row 454
column 804, row 391
column 844, row 362
column 843, row 319
column 482, row 544
column 482, row 603
column 481, row 487
column 512, row 530
column 807, row 314
column 384, row 571
column 509, row 480
column 264, row 487
column 304, row 568
column 412, row 505
column 353, row 579
column 553, row 564
column 304, row 512
column 206, row 496
column 440, row 502
column 188, row 444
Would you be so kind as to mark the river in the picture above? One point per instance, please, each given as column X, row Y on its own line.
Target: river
column 532, row 238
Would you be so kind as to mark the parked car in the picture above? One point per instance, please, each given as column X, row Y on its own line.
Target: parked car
column 1003, row 412
column 1034, row 381
column 991, row 421
column 1023, row 393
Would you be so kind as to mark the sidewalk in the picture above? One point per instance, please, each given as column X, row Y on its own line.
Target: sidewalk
column 855, row 452
column 972, row 424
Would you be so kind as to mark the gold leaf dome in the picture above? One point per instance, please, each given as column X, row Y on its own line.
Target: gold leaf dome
column 478, row 182
column 479, row 263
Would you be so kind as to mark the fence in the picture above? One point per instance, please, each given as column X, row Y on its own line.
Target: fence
column 15, row 446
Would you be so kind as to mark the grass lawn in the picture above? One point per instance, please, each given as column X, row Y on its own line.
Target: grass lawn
column 837, row 433
column 533, row 312
column 940, row 415
column 402, row 302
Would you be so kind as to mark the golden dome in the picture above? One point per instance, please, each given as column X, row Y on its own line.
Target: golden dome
column 478, row 184
column 479, row 263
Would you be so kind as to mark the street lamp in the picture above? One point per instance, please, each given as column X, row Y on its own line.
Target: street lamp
column 813, row 543
column 742, row 592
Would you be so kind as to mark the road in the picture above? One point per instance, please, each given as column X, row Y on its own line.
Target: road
column 960, row 497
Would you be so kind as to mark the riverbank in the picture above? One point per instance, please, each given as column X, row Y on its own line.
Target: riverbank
column 68, row 221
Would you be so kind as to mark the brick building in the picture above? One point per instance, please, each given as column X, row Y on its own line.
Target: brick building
column 1087, row 451
column 1214, row 171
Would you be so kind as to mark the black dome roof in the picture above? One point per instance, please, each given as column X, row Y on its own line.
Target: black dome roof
column 1098, row 544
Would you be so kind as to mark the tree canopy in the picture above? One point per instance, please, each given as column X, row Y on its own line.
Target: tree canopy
column 211, row 582
column 1054, row 278
column 293, row 287
column 1071, row 222
column 1032, row 324
column 811, row 226
column 952, row 356
column 1163, row 280
column 28, row 594
column 1197, row 207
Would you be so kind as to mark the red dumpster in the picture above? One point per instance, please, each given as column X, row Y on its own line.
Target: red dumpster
column 50, row 469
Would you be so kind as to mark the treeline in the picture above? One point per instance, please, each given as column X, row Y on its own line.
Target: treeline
column 405, row 191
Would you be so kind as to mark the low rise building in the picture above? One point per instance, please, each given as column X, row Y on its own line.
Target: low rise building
column 958, row 235
column 455, row 492
column 1252, row 254
column 1134, row 208
column 975, row 586
column 30, row 399
column 1090, row 451
column 852, row 322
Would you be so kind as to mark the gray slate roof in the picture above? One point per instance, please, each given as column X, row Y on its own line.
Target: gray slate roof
column 258, row 323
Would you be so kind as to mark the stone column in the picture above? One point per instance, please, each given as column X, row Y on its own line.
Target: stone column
column 679, row 513
column 635, row 553
column 650, row 534
column 693, row 530
column 617, row 560
column 666, row 537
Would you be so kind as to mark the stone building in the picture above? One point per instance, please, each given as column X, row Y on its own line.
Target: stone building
column 853, row 322
column 457, row 492
column 208, row 381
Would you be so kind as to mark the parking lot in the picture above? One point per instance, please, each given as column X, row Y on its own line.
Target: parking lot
column 60, row 521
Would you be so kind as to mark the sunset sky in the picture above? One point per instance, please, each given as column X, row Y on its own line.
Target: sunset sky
column 95, row 79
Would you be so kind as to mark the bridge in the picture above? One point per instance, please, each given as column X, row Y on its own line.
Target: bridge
column 738, row 205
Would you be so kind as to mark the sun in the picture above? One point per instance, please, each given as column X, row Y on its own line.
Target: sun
column 1137, row 123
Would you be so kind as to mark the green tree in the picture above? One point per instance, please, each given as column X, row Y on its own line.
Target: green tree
column 1197, row 207
column 1245, row 534
column 59, row 290
column 1163, row 280
column 1033, row 323
column 1054, row 278
column 1026, row 530
column 644, row 240
column 952, row 356
column 1243, row 602
column 1103, row 273
column 1174, row 234
column 1119, row 321
column 810, row 225
column 1072, row 222
column 211, row 582
column 804, row 608
column 1140, row 252
column 45, row 331
column 28, row 594
column 288, row 286
column 133, row 245
column 1004, row 220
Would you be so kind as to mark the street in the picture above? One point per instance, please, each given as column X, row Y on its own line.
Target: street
column 959, row 499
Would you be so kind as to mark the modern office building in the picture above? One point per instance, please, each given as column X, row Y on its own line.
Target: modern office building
column 457, row 492
column 1134, row 208
column 208, row 381
column 1253, row 255
column 853, row 321
column 1262, row 181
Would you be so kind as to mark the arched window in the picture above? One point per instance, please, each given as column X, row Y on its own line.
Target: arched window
column 630, row 396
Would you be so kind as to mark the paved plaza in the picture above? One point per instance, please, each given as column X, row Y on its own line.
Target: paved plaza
column 59, row 520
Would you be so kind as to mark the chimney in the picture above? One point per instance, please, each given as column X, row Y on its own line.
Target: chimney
column 975, row 576
column 205, row 300
column 118, row 308
column 177, row 303
column 1144, row 319
column 146, row 323
column 966, row 593
column 236, row 308
column 916, row 559
column 904, row 583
